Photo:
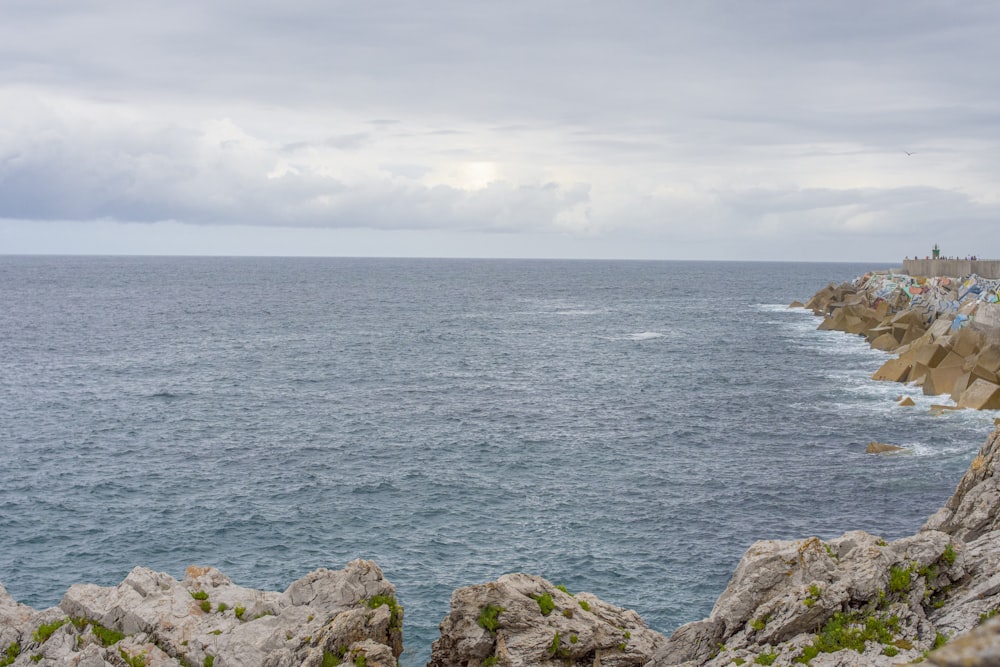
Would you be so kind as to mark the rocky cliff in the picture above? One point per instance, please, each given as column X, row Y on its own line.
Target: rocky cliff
column 153, row 620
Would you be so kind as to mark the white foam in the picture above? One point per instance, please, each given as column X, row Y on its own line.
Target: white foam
column 645, row 335
column 782, row 308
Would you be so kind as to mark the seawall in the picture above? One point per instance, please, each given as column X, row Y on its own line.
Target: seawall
column 952, row 268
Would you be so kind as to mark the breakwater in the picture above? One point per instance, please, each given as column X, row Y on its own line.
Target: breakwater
column 953, row 268
column 945, row 332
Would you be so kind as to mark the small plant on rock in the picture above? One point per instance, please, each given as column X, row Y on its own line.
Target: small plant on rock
column 395, row 611
column 239, row 611
column 949, row 555
column 42, row 634
column 584, row 605
column 545, row 603
column 760, row 622
column 206, row 606
column 133, row 660
column 199, row 595
column 489, row 618
column 10, row 655
column 899, row 578
column 765, row 659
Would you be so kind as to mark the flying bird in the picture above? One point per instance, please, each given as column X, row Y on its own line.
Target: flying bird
column 907, row 152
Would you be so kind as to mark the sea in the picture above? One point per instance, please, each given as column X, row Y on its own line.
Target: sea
column 627, row 428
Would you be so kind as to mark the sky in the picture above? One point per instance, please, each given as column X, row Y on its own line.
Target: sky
column 718, row 129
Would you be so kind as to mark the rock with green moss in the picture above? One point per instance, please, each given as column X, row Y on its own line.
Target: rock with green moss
column 152, row 619
column 518, row 620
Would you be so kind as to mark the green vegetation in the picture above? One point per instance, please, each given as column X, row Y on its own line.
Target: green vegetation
column 360, row 660
column 199, row 595
column 545, row 603
column 882, row 543
column 563, row 589
column 206, row 606
column 584, row 605
column 949, row 555
column 133, row 660
column 555, row 646
column 760, row 622
column 106, row 636
column 239, row 611
column 395, row 611
column 567, row 612
column 890, row 651
column 765, row 659
column 939, row 641
column 334, row 659
column 10, row 655
column 815, row 593
column 830, row 552
column 982, row 617
column 223, row 606
column 573, row 639
column 738, row 661
column 42, row 634
column 490, row 661
column 899, row 578
column 36, row 657
column 488, row 618
column 208, row 661
column 850, row 631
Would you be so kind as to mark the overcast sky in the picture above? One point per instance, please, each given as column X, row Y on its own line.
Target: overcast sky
column 775, row 129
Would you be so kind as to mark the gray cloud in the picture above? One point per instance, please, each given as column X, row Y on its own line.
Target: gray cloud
column 697, row 121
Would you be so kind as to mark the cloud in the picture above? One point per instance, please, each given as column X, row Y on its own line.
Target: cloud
column 708, row 123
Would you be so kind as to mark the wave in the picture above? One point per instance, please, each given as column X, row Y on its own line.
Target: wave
column 641, row 336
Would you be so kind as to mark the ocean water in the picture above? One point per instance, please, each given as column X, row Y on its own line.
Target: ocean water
column 624, row 428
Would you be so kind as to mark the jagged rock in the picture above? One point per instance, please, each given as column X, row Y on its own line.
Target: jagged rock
column 972, row 511
column 979, row 648
column 152, row 616
column 906, row 402
column 520, row 620
column 883, row 448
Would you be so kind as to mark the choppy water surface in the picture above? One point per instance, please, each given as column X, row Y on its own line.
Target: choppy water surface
column 625, row 428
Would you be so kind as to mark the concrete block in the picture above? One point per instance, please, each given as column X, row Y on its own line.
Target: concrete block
column 966, row 342
column 981, row 395
column 952, row 359
column 894, row 370
column 941, row 380
column 928, row 355
column 989, row 358
column 886, row 342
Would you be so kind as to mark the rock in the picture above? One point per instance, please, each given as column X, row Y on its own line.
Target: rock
column 524, row 620
column 974, row 509
column 882, row 448
column 981, row 395
column 979, row 648
column 893, row 370
column 152, row 616
column 906, row 402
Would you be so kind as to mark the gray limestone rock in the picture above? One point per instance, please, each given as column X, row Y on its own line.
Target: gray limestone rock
column 522, row 620
column 153, row 617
